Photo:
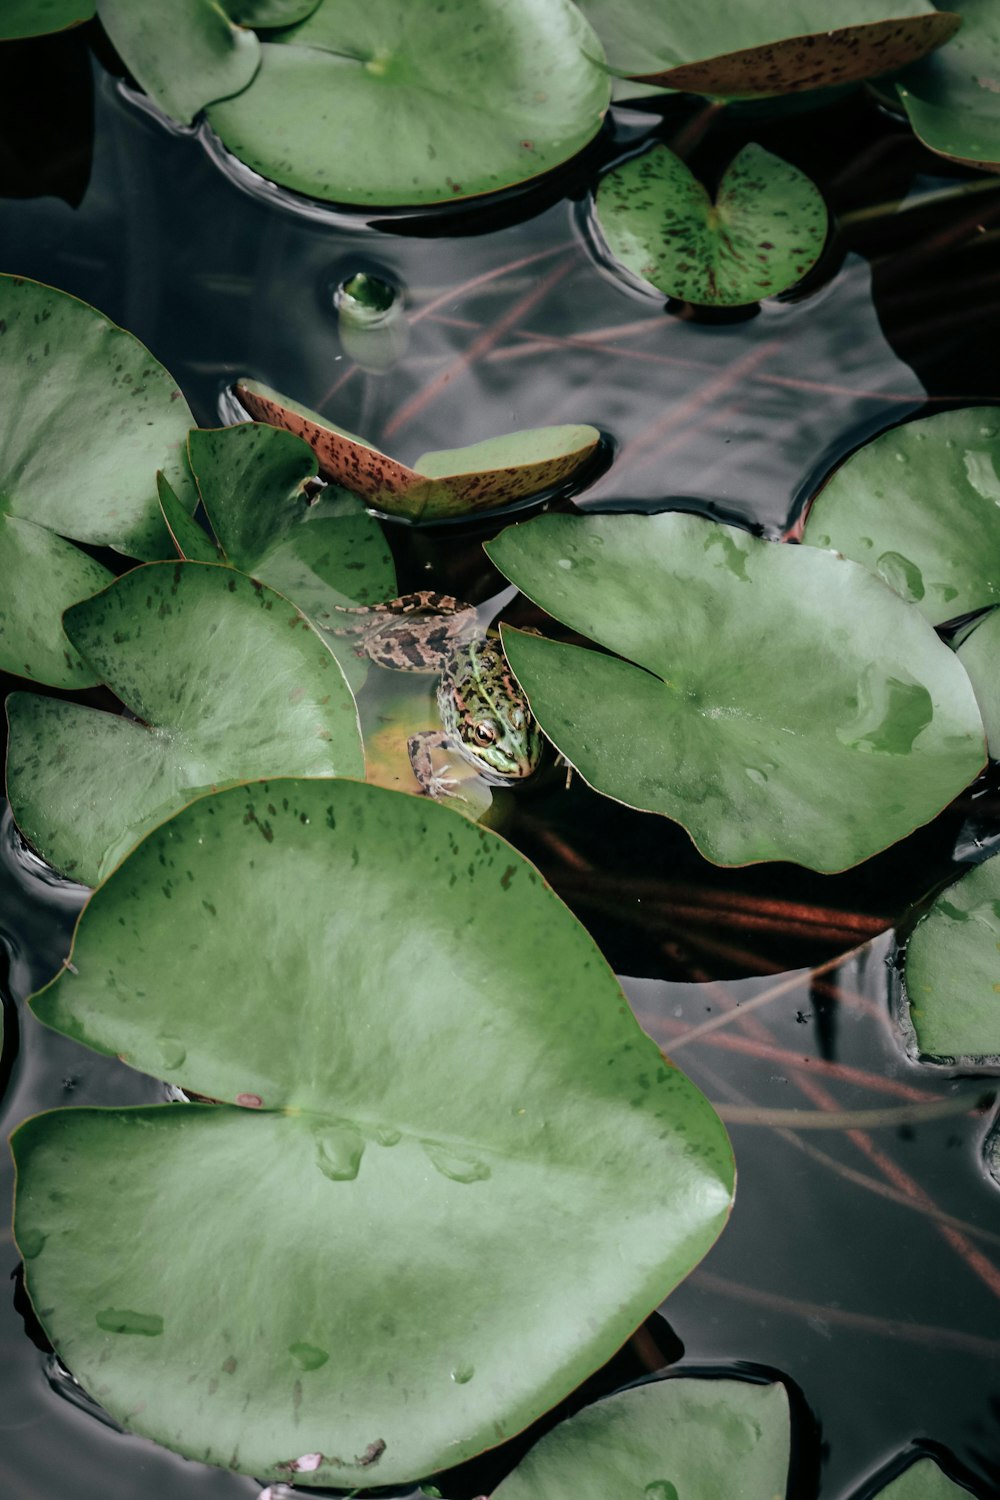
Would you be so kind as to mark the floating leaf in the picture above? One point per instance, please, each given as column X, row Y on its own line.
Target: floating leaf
column 37, row 17
column 764, row 231
column 667, row 1440
column 979, row 654
column 224, row 690
column 428, row 1122
column 184, row 54
column 395, row 103
column 953, row 968
column 269, row 12
column 952, row 98
column 783, row 703
column 42, row 575
column 920, row 506
column 923, row 1481
column 191, row 540
column 455, row 481
column 770, row 48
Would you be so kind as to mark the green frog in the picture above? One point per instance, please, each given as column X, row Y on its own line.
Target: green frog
column 484, row 715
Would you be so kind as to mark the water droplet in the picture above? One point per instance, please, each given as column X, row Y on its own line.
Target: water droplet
column 866, row 541
column 900, row 457
column 172, row 1051
column 565, row 562
column 388, row 1135
column 124, row 1320
column 455, row 1165
column 901, row 575
column 759, row 778
column 661, row 1489
column 982, row 476
column 339, row 1150
column 308, row 1356
column 462, row 1374
column 987, row 432
column 31, row 1242
column 889, row 715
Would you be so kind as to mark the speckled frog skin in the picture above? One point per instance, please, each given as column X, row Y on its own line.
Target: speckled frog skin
column 484, row 715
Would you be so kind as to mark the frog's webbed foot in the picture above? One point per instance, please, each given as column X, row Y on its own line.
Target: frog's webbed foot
column 421, row 748
column 414, row 633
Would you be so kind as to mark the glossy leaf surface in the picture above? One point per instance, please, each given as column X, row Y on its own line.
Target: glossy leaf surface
column 184, row 53
column 395, row 103
column 953, row 968
column 952, row 98
column 675, row 1439
column 223, row 688
column 923, row 1481
column 36, row 17
column 452, row 482
column 391, row 1227
column 979, row 654
column 42, row 575
column 777, row 701
column 771, row 48
column 920, row 506
column 765, row 230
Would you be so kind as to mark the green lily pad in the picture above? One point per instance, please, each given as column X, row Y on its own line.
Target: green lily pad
column 37, row 17
column 223, row 691
column 184, row 53
column 674, row 1439
column 452, row 482
column 919, row 506
column 979, row 654
column 952, row 98
column 783, row 704
column 192, row 542
column 765, row 230
column 771, row 48
column 269, row 12
column 923, row 1480
column 390, row 1228
column 42, row 576
column 395, row 103
column 953, row 969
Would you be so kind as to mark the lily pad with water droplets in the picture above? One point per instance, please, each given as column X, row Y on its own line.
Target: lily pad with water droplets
column 393, row 103
column 777, row 701
column 920, row 506
column 774, row 47
column 432, row 1149
column 226, row 680
column 19, row 18
column 923, row 1480
column 953, row 969
column 953, row 98
column 453, row 482
column 979, row 654
column 667, row 1440
column 764, row 232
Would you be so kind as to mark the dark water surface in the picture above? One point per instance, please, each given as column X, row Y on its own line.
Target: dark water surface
column 862, row 1265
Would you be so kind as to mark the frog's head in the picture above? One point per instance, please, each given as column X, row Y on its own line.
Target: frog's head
column 487, row 715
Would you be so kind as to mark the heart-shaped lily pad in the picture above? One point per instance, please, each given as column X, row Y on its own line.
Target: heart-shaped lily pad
column 224, row 690
column 979, row 654
column 778, row 47
column 783, row 704
column 952, row 98
column 953, row 969
column 920, row 506
column 451, row 1140
column 923, row 1480
column 184, row 53
column 671, row 1439
column 395, row 103
column 37, row 17
column 765, row 230
column 452, row 482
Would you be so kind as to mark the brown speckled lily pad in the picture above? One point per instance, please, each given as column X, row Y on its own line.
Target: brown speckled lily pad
column 452, row 482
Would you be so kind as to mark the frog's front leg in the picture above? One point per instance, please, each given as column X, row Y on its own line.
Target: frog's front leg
column 421, row 749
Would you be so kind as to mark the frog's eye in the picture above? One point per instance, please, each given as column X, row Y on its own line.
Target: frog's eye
column 485, row 733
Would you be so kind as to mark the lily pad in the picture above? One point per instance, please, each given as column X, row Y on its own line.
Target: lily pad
column 192, row 542
column 777, row 701
column 923, row 1480
column 391, row 1225
column 764, row 232
column 222, row 690
column 770, row 48
column 979, row 654
column 952, row 98
column 184, row 53
column 953, row 969
column 42, row 576
column 394, row 103
column 674, row 1438
column 452, row 482
column 920, row 506
column 269, row 12
column 20, row 18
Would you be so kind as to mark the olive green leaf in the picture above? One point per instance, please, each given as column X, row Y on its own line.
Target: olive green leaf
column 668, row 1440
column 444, row 1135
column 452, row 482
column 36, row 17
column 184, row 53
column 953, row 969
column 765, row 230
column 923, row 1480
column 192, row 542
column 269, row 12
column 918, row 505
column 775, row 47
column 979, row 654
column 395, row 103
column 777, row 701
column 41, row 576
column 953, row 98
column 222, row 690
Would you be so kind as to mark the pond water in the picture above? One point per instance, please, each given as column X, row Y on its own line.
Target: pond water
column 862, row 1262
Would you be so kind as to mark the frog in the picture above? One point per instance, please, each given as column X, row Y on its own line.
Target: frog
column 485, row 717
